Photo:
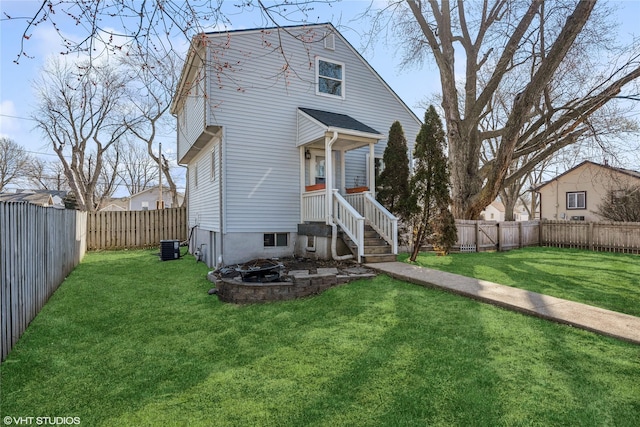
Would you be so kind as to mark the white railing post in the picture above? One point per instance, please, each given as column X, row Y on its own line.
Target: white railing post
column 350, row 220
column 314, row 206
column 381, row 220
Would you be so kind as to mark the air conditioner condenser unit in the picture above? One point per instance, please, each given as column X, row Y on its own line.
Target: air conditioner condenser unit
column 169, row 249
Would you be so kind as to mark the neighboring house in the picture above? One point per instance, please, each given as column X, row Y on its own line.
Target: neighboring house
column 576, row 194
column 496, row 212
column 493, row 212
column 149, row 199
column 115, row 204
column 46, row 198
column 275, row 126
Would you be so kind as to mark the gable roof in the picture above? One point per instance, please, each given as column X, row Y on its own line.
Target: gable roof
column 165, row 191
column 341, row 121
column 628, row 172
column 198, row 40
column 36, row 198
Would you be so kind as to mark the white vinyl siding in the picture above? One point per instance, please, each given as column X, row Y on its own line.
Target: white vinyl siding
column 204, row 199
column 192, row 114
column 257, row 105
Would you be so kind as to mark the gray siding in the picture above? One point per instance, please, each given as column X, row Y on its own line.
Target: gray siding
column 255, row 100
column 204, row 198
column 308, row 130
column 191, row 117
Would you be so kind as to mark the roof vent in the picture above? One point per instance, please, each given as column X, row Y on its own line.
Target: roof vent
column 330, row 41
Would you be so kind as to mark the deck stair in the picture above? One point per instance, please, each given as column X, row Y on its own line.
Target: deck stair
column 376, row 249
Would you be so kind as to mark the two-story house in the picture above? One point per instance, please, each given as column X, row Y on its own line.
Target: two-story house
column 276, row 126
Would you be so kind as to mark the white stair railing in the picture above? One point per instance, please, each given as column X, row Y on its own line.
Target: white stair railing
column 381, row 220
column 351, row 222
column 314, row 206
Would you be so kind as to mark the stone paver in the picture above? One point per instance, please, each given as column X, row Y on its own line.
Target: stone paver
column 329, row 270
column 298, row 273
column 606, row 322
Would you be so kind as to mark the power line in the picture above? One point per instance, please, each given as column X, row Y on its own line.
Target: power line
column 18, row 117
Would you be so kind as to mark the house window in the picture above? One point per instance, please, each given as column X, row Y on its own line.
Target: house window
column 276, row 239
column 145, row 206
column 330, row 78
column 619, row 196
column 577, row 200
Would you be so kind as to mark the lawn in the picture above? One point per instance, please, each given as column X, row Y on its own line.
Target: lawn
column 606, row 280
column 129, row 340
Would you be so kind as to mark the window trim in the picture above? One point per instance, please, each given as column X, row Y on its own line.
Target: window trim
column 343, row 80
column 576, row 193
column 275, row 240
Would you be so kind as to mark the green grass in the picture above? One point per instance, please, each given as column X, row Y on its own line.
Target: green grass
column 606, row 280
column 131, row 341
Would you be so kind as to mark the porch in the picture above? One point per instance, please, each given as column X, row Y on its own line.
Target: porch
column 324, row 138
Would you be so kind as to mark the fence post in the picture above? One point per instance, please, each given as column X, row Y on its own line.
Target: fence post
column 520, row 234
column 540, row 242
column 477, row 236
column 591, row 239
column 499, row 240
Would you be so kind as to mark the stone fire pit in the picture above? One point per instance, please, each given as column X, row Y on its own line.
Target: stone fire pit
column 291, row 285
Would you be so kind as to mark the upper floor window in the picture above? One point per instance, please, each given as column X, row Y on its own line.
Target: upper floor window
column 330, row 77
column 577, row 200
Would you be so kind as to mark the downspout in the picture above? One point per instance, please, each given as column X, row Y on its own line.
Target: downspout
column 220, row 260
column 329, row 190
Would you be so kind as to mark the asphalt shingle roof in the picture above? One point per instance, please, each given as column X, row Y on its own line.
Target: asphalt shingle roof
column 336, row 120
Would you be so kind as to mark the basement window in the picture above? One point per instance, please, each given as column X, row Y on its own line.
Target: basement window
column 276, row 239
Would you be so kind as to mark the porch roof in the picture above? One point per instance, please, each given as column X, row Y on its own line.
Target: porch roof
column 313, row 125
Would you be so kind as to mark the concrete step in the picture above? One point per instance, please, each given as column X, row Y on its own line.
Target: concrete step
column 374, row 258
column 377, row 249
column 377, row 241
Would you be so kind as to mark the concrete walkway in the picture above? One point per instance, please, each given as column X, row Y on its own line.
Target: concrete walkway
column 599, row 320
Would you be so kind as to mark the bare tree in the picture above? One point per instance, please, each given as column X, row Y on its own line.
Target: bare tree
column 13, row 161
column 46, row 175
column 137, row 170
column 158, row 26
column 80, row 110
column 109, row 177
column 621, row 204
column 153, row 82
column 523, row 46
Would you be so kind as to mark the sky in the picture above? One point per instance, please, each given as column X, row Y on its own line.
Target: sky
column 414, row 85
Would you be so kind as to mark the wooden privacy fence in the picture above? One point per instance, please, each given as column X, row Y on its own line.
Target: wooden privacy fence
column 596, row 236
column 39, row 247
column 135, row 229
column 479, row 236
